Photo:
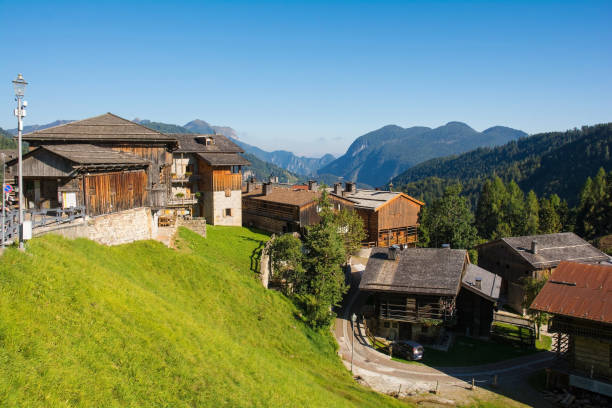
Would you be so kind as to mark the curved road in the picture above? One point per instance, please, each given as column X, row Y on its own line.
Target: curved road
column 387, row 376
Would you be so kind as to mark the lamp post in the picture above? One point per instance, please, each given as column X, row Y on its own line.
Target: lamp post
column 19, row 85
column 3, row 198
column 353, row 320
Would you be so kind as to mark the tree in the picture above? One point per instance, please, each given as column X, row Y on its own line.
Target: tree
column 287, row 257
column 514, row 209
column 593, row 214
column 490, row 208
column 449, row 220
column 350, row 227
column 532, row 209
column 550, row 222
column 532, row 287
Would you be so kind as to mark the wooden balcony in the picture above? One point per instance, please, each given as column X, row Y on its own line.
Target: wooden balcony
column 416, row 311
column 186, row 200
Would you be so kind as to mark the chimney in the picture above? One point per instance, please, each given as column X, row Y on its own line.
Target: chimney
column 478, row 284
column 446, row 246
column 393, row 252
column 534, row 247
column 337, row 188
column 312, row 185
column 266, row 188
column 350, row 187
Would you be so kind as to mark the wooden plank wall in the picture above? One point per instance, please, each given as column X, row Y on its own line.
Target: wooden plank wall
column 217, row 178
column 43, row 164
column 400, row 212
column 117, row 191
column 279, row 211
column 310, row 216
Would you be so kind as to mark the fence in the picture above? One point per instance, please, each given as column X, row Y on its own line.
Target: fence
column 53, row 216
column 514, row 329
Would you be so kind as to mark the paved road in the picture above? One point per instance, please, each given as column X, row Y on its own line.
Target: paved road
column 385, row 375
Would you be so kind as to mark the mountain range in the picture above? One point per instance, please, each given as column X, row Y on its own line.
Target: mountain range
column 377, row 156
column 552, row 162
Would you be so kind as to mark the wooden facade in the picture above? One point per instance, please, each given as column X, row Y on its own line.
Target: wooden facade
column 117, row 191
column 278, row 213
column 217, row 178
column 392, row 223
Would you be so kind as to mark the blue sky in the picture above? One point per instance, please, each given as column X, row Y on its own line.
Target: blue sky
column 311, row 76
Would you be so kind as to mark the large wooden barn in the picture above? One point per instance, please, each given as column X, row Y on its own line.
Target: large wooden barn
column 105, row 163
column 282, row 209
column 100, row 179
column 579, row 298
column 207, row 178
column 389, row 217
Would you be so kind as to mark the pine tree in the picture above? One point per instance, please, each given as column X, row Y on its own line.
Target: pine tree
column 550, row 222
column 490, row 208
column 532, row 208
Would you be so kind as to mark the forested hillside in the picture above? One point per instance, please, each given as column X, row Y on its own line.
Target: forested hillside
column 263, row 170
column 6, row 140
column 377, row 156
column 555, row 162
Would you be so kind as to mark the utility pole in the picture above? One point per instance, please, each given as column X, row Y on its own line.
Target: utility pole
column 3, row 199
column 19, row 85
column 353, row 320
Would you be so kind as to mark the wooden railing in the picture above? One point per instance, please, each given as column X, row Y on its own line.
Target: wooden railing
column 186, row 199
column 402, row 313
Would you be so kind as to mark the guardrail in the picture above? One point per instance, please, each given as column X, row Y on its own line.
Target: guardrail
column 51, row 216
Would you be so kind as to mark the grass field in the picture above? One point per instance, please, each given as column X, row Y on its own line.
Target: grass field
column 141, row 325
column 467, row 351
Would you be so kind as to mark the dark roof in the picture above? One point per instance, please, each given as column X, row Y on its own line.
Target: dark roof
column 90, row 154
column 490, row 283
column 553, row 248
column 287, row 195
column 189, row 143
column 373, row 199
column 107, row 127
column 435, row 271
column 224, row 159
column 578, row 290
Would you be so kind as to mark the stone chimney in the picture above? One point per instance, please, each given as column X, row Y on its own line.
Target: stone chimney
column 266, row 188
column 393, row 253
column 312, row 185
column 351, row 187
column 534, row 247
column 338, row 188
column 478, row 284
column 250, row 185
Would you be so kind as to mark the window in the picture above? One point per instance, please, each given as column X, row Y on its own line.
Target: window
column 228, row 192
column 235, row 169
column 386, row 325
column 228, row 212
column 318, row 208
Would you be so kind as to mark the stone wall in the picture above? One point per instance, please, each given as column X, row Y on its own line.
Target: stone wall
column 221, row 203
column 109, row 229
column 197, row 225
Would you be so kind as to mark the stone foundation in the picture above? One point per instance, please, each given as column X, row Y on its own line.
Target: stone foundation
column 109, row 229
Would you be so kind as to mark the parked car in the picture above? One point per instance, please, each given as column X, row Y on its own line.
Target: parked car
column 407, row 349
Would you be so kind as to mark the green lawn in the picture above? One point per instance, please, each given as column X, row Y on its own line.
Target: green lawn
column 141, row 325
column 467, row 351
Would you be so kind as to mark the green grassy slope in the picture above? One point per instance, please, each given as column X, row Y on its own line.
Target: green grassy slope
column 141, row 325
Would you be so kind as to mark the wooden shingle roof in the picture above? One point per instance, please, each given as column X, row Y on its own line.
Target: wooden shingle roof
column 427, row 271
column 189, row 143
column 224, row 159
column 90, row 154
column 552, row 249
column 106, row 127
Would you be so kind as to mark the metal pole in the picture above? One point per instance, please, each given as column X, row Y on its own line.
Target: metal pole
column 352, row 344
column 3, row 200
column 19, row 148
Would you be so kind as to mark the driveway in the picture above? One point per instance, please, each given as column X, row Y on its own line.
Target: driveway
column 381, row 373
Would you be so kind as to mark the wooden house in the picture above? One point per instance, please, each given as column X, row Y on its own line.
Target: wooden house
column 477, row 301
column 282, row 209
column 100, row 179
column 579, row 298
column 99, row 134
column 207, row 178
column 413, row 291
column 389, row 217
column 537, row 256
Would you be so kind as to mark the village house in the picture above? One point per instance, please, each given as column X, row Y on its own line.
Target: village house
column 413, row 293
column 105, row 164
column 389, row 217
column 282, row 209
column 579, row 298
column 536, row 256
column 206, row 178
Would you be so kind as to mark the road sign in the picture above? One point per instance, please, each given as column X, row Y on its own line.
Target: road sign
column 8, row 188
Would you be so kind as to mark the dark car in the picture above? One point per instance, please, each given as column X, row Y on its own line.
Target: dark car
column 407, row 349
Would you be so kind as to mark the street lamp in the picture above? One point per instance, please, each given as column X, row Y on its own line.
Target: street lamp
column 19, row 85
column 353, row 320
